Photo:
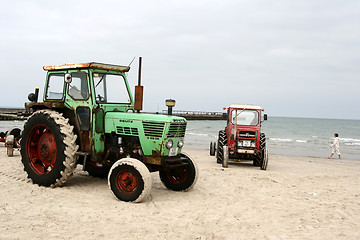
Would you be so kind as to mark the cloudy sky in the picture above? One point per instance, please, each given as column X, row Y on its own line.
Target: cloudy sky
column 297, row 58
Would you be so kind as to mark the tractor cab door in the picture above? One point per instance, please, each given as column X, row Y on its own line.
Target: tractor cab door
column 78, row 98
column 111, row 94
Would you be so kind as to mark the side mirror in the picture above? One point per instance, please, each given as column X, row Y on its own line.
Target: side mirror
column 68, row 78
column 265, row 117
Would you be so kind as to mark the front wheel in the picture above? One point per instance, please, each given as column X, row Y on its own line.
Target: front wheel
column 212, row 148
column 130, row 180
column 181, row 178
column 225, row 161
column 264, row 161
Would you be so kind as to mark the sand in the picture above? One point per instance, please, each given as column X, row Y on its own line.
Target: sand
column 296, row 198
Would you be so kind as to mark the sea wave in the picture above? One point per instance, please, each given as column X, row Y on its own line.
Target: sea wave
column 352, row 144
column 349, row 140
column 288, row 140
column 281, row 139
column 198, row 134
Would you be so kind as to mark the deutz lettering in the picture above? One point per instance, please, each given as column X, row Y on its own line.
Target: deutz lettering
column 125, row 121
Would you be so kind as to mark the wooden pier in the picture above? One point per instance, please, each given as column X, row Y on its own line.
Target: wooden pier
column 198, row 115
column 12, row 114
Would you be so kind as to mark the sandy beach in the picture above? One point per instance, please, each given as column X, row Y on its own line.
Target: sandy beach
column 296, row 198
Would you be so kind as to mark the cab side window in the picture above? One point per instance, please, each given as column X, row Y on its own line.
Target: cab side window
column 55, row 87
column 78, row 88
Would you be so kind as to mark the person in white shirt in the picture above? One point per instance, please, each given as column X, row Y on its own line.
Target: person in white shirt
column 335, row 146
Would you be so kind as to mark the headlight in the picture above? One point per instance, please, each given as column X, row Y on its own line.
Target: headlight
column 169, row 144
column 180, row 143
column 252, row 144
column 240, row 143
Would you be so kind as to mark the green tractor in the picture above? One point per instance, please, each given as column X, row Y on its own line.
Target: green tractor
column 88, row 116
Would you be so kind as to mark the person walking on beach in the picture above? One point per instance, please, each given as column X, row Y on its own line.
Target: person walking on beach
column 335, row 146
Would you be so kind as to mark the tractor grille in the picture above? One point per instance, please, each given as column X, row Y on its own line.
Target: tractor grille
column 247, row 134
column 153, row 129
column 127, row 131
column 177, row 130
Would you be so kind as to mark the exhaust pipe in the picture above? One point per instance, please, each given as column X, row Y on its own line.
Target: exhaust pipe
column 139, row 91
column 33, row 97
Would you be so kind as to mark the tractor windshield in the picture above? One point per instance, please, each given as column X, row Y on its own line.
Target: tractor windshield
column 110, row 88
column 245, row 117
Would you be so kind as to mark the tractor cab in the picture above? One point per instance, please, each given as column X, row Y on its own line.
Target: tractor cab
column 243, row 128
column 242, row 138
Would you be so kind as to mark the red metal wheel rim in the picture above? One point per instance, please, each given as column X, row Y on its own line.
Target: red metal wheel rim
column 179, row 175
column 127, row 182
column 42, row 149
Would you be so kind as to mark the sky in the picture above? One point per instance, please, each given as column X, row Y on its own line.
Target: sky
column 296, row 58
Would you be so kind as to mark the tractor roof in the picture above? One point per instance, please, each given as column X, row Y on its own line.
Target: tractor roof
column 246, row 106
column 88, row 65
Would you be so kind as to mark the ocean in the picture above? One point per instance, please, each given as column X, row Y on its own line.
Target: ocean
column 307, row 137
column 284, row 135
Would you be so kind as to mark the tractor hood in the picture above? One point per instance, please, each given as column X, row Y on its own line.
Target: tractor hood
column 130, row 117
column 152, row 130
column 137, row 122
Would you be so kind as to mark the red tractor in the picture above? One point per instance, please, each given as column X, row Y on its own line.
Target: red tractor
column 242, row 138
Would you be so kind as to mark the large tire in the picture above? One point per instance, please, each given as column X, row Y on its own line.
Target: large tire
column 180, row 178
column 96, row 169
column 262, row 145
column 262, row 141
column 221, row 143
column 48, row 148
column 225, row 161
column 212, row 148
column 263, row 159
column 130, row 180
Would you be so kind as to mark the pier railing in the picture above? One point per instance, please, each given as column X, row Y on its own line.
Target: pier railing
column 198, row 115
column 12, row 114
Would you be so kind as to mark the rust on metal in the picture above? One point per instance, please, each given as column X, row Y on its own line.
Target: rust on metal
column 37, row 105
column 152, row 160
column 88, row 65
column 138, row 97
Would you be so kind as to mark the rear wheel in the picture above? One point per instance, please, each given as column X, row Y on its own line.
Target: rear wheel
column 130, row 180
column 48, row 148
column 180, row 178
column 262, row 141
column 262, row 160
column 220, row 145
column 262, row 146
